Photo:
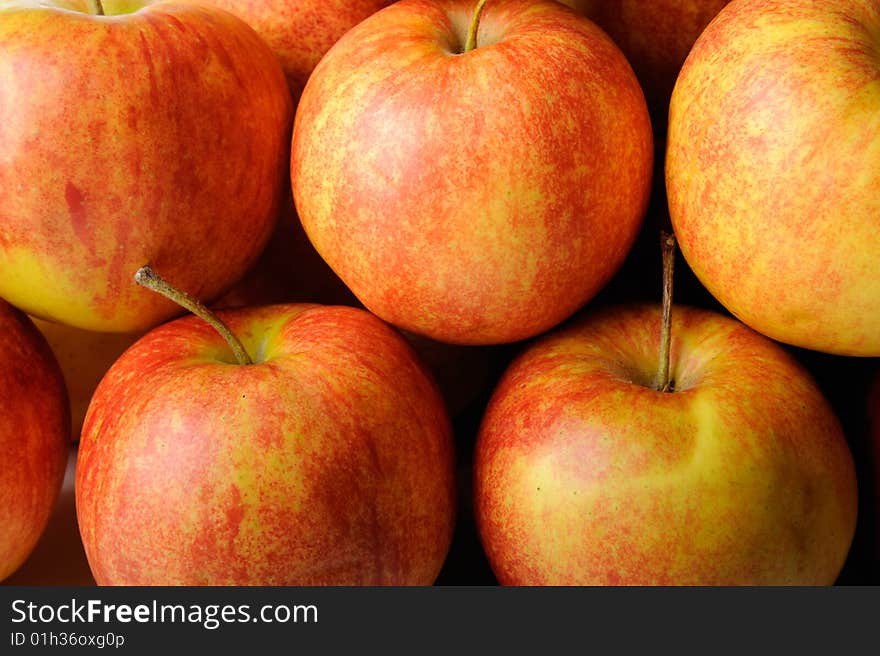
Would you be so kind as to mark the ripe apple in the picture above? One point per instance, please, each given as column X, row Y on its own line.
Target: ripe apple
column 586, row 474
column 157, row 133
column 84, row 357
column 773, row 169
column 290, row 270
column 58, row 557
column 34, row 436
column 655, row 37
column 328, row 461
column 299, row 32
column 473, row 195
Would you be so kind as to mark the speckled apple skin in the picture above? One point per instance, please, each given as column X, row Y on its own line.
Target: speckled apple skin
column 300, row 32
column 473, row 198
column 34, row 436
column 159, row 137
column 328, row 462
column 655, row 36
column 773, row 169
column 585, row 475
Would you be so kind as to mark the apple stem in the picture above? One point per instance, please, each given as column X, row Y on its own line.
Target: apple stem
column 667, row 244
column 471, row 42
column 148, row 278
column 99, row 7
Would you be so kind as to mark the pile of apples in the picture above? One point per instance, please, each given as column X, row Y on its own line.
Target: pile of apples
column 426, row 237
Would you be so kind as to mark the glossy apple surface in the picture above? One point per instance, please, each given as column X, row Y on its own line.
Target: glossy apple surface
column 586, row 475
column 473, row 197
column 330, row 461
column 773, row 169
column 34, row 436
column 158, row 133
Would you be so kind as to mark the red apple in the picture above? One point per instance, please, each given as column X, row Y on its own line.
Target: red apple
column 299, row 32
column 84, row 357
column 158, row 133
column 58, row 557
column 586, row 474
column 655, row 36
column 773, row 169
column 328, row 461
column 34, row 436
column 289, row 270
column 473, row 197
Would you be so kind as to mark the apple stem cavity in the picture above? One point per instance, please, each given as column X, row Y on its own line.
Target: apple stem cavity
column 98, row 7
column 471, row 42
column 148, row 278
column 667, row 245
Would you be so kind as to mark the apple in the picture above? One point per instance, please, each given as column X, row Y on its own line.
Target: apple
column 329, row 460
column 586, row 474
column 84, row 357
column 156, row 133
column 473, row 190
column 299, row 32
column 58, row 557
column 656, row 37
column 34, row 436
column 773, row 169
column 290, row 270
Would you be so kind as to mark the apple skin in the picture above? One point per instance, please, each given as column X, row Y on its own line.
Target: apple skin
column 34, row 436
column 84, row 357
column 773, row 169
column 585, row 475
column 655, row 36
column 300, row 32
column 291, row 271
column 158, row 137
column 329, row 462
column 58, row 557
column 478, row 198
